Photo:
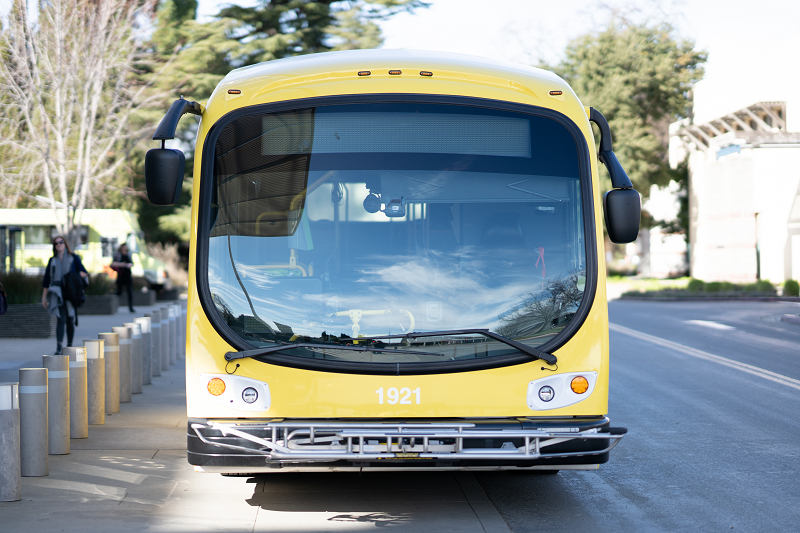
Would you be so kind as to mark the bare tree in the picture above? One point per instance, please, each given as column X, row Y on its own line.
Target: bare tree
column 542, row 310
column 75, row 87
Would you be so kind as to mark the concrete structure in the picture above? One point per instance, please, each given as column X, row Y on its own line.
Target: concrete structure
column 10, row 460
column 155, row 341
column 147, row 350
column 136, row 356
column 743, row 148
column 33, row 424
column 744, row 194
column 125, row 362
column 57, row 403
column 111, row 353
column 78, row 393
column 95, row 381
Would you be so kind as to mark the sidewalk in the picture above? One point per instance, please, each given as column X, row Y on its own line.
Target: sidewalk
column 131, row 475
column 16, row 353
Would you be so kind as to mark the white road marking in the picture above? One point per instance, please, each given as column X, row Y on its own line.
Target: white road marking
column 754, row 370
column 709, row 324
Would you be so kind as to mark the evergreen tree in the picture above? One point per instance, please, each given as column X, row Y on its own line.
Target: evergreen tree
column 639, row 77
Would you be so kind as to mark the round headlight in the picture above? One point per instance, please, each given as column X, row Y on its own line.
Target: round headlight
column 249, row 395
column 546, row 393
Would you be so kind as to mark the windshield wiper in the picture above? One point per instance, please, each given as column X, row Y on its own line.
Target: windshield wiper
column 538, row 354
column 256, row 352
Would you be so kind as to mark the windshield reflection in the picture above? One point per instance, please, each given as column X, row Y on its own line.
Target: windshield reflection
column 304, row 251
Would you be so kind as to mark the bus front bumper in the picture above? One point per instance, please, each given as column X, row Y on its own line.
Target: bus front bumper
column 239, row 446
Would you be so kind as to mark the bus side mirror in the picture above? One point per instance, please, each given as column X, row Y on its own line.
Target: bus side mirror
column 163, row 168
column 622, row 209
column 163, row 175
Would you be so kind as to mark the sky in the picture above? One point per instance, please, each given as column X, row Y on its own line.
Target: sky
column 527, row 31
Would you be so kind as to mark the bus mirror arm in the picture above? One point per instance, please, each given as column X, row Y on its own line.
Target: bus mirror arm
column 163, row 167
column 619, row 178
column 622, row 206
column 169, row 124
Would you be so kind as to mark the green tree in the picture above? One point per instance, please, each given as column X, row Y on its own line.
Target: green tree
column 201, row 54
column 275, row 29
column 639, row 77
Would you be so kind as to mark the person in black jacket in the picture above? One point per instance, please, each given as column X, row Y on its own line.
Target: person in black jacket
column 123, row 264
column 62, row 262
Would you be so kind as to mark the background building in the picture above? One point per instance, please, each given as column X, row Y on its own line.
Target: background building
column 744, row 175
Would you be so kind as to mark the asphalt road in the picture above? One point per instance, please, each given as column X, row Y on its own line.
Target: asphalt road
column 713, row 442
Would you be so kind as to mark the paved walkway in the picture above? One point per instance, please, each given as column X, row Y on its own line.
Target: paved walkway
column 16, row 353
column 131, row 475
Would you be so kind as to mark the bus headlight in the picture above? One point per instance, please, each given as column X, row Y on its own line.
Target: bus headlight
column 560, row 390
column 546, row 393
column 249, row 395
column 236, row 392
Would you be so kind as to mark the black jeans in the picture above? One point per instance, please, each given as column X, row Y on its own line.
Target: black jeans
column 129, row 287
column 64, row 320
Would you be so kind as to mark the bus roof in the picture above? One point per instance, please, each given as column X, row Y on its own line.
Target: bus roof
column 337, row 73
column 360, row 60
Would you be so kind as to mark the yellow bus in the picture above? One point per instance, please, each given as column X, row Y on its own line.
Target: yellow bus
column 397, row 263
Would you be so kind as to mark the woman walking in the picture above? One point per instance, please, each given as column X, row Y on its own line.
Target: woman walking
column 62, row 262
column 123, row 264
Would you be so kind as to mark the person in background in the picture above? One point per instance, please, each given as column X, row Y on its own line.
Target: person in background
column 123, row 264
column 53, row 300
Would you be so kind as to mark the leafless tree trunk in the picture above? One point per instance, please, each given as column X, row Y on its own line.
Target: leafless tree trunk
column 72, row 90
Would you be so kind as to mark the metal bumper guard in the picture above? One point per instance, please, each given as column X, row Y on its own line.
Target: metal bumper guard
column 306, row 441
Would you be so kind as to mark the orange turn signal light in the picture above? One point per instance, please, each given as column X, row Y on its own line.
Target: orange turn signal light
column 395, row 72
column 426, row 73
column 216, row 386
column 234, row 91
column 364, row 73
column 556, row 93
column 579, row 385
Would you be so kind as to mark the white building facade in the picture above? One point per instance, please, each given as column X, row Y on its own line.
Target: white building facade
column 744, row 191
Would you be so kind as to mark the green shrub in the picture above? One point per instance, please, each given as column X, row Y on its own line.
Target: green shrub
column 764, row 285
column 791, row 288
column 750, row 287
column 99, row 284
column 713, row 286
column 727, row 286
column 22, row 288
column 695, row 285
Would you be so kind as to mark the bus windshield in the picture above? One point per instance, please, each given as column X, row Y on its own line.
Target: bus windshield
column 376, row 219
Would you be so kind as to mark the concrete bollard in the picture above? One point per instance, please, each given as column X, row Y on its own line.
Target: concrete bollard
column 147, row 348
column 173, row 325
column 95, row 381
column 164, row 338
column 78, row 393
column 136, row 357
column 185, row 324
column 155, row 341
column 33, row 423
column 10, row 460
column 57, row 403
column 181, row 307
column 124, row 362
column 111, row 352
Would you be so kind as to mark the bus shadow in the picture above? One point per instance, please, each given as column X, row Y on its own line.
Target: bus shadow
column 381, row 499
